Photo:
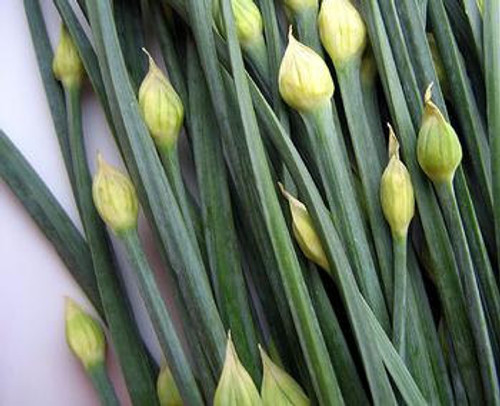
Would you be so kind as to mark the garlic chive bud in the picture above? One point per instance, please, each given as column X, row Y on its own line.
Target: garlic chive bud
column 67, row 65
column 396, row 191
column 115, row 198
column 84, row 336
column 235, row 385
column 342, row 31
column 247, row 18
column 304, row 232
column 297, row 6
column 161, row 107
column 279, row 388
column 305, row 82
column 168, row 394
column 439, row 151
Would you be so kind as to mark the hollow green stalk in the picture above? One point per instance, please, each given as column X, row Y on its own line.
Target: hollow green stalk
column 305, row 22
column 160, row 317
column 400, row 293
column 102, row 384
column 449, row 204
column 336, row 177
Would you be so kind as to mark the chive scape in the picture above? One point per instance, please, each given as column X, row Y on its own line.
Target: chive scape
column 103, row 385
column 50, row 217
column 164, row 328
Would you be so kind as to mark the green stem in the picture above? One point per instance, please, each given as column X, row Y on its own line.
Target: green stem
column 337, row 181
column 160, row 317
column 102, row 384
column 256, row 52
column 475, row 309
column 369, row 166
column 124, row 334
column 305, row 22
column 400, row 293
column 492, row 76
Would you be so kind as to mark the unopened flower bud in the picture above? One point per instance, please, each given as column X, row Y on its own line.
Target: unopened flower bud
column 161, row 107
column 396, row 192
column 342, row 31
column 247, row 18
column 304, row 232
column 305, row 82
column 84, row 336
column 235, row 385
column 297, row 6
column 168, row 394
column 67, row 65
column 279, row 388
column 439, row 151
column 115, row 198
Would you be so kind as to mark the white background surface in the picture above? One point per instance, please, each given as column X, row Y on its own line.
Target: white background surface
column 36, row 368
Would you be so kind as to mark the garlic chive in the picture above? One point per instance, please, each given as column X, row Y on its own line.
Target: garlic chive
column 86, row 340
column 305, row 82
column 296, row 6
column 66, row 65
column 303, row 230
column 398, row 204
column 439, row 153
column 279, row 388
column 235, row 384
column 117, row 203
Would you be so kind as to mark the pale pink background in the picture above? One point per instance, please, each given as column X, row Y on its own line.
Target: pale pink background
column 36, row 368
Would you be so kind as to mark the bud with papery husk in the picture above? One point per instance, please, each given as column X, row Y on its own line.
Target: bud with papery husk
column 247, row 18
column 396, row 192
column 439, row 151
column 342, row 31
column 115, row 198
column 168, row 394
column 297, row 6
column 67, row 65
column 305, row 82
column 235, row 385
column 304, row 231
column 161, row 107
column 279, row 388
column 84, row 336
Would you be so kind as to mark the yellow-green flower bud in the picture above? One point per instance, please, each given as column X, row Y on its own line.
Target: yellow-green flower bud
column 396, row 192
column 342, row 31
column 84, row 336
column 67, row 65
column 166, row 389
column 305, row 82
column 247, row 18
column 480, row 6
column 304, row 232
column 439, row 151
column 235, row 385
column 115, row 198
column 297, row 6
column 279, row 388
column 161, row 107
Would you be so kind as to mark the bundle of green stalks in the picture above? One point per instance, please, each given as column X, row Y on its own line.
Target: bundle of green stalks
column 342, row 242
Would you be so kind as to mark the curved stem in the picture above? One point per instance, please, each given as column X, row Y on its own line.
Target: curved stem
column 103, row 385
column 160, row 317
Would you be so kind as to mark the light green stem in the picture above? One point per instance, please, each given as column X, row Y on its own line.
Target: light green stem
column 400, row 293
column 102, row 384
